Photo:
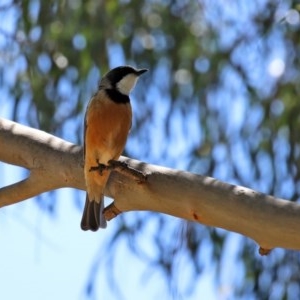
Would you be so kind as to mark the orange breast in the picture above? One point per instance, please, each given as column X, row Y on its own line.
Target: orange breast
column 107, row 127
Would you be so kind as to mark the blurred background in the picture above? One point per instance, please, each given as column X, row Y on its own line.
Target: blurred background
column 221, row 99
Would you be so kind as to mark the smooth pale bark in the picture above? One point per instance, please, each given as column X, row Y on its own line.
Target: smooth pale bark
column 55, row 163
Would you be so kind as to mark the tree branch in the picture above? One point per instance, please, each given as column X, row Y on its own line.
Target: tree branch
column 54, row 163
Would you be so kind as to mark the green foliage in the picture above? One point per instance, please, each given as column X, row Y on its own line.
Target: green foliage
column 224, row 82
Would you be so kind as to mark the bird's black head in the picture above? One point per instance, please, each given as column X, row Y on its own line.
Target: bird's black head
column 122, row 78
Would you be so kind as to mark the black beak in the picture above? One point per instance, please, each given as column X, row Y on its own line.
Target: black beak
column 139, row 72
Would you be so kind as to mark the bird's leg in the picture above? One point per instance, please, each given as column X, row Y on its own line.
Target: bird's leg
column 123, row 167
column 100, row 168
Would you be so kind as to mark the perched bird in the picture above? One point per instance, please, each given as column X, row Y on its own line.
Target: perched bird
column 107, row 123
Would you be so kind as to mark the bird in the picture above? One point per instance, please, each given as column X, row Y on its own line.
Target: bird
column 107, row 123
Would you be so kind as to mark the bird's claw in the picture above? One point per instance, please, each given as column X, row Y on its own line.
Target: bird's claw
column 123, row 167
column 100, row 168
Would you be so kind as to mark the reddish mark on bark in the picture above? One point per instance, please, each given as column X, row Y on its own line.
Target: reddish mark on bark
column 264, row 251
column 195, row 216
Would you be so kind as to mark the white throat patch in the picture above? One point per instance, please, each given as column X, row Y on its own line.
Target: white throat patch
column 127, row 83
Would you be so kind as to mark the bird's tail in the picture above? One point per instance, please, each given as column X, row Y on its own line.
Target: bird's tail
column 93, row 218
